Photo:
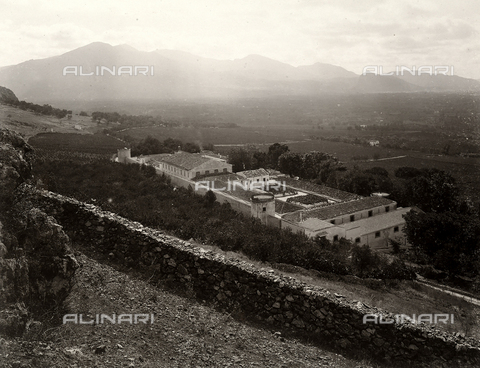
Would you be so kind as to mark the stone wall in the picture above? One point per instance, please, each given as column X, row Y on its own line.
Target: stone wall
column 257, row 293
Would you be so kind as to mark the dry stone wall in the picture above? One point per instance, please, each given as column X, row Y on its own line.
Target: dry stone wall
column 257, row 293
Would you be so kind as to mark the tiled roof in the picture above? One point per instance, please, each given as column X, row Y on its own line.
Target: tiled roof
column 316, row 224
column 185, row 160
column 282, row 207
column 321, row 189
column 340, row 209
column 273, row 172
column 224, row 177
column 157, row 157
column 253, row 173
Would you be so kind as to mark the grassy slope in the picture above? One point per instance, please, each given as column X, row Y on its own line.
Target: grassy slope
column 29, row 124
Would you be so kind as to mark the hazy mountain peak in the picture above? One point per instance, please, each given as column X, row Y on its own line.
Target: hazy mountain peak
column 178, row 55
column 125, row 47
column 327, row 71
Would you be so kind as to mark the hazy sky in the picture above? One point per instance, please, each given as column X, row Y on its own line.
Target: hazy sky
column 348, row 33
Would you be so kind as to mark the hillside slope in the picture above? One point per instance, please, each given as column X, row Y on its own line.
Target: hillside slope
column 184, row 333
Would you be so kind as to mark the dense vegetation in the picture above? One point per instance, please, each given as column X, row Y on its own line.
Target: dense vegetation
column 136, row 192
column 447, row 233
column 40, row 109
column 151, row 146
column 72, row 142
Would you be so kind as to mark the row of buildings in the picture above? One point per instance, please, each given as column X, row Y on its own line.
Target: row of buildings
column 281, row 201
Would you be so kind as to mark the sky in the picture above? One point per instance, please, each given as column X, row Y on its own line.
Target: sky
column 349, row 33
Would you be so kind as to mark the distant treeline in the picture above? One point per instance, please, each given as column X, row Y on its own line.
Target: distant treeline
column 147, row 120
column 151, row 146
column 40, row 109
column 130, row 120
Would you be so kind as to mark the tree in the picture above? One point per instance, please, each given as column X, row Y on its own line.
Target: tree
column 210, row 198
column 377, row 171
column 260, row 159
column 209, row 147
column 451, row 241
column 433, row 191
column 172, row 145
column 149, row 146
column 407, row 172
column 191, row 147
column 274, row 152
column 290, row 163
column 359, row 182
column 241, row 159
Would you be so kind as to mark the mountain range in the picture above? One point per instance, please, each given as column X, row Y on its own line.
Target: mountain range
column 171, row 75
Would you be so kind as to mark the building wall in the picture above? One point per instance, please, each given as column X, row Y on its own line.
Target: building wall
column 222, row 197
column 382, row 241
column 190, row 174
column 256, row 179
column 362, row 214
column 263, row 209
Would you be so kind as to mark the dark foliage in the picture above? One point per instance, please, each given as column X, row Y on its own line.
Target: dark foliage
column 407, row 172
column 450, row 241
column 40, row 109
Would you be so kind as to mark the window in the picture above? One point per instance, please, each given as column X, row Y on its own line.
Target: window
column 264, row 179
column 357, row 240
column 207, row 172
column 333, row 222
column 258, row 180
column 215, row 171
column 335, row 238
column 370, row 213
column 387, row 208
column 395, row 229
column 225, row 170
column 264, row 209
column 377, row 234
column 197, row 173
column 352, row 218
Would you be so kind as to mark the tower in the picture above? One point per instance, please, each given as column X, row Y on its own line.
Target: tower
column 263, row 206
column 124, row 154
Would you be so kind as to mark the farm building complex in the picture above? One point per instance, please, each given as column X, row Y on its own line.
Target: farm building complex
column 284, row 202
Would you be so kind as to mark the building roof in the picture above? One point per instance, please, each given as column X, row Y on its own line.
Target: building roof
column 314, row 224
column 274, row 173
column 189, row 161
column 380, row 222
column 340, row 209
column 322, row 190
column 253, row 173
column 282, row 207
column 157, row 157
column 185, row 160
column 220, row 177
